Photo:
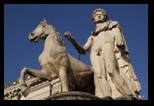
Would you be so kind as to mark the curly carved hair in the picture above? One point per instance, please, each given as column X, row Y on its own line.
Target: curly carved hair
column 99, row 9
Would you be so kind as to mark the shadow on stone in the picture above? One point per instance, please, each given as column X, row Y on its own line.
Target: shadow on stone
column 77, row 95
column 126, row 97
column 73, row 95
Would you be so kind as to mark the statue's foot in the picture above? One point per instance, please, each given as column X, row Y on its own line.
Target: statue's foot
column 126, row 97
column 107, row 98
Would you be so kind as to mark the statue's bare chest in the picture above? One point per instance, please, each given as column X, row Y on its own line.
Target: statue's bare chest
column 102, row 38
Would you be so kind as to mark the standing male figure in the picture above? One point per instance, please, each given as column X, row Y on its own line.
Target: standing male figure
column 101, row 43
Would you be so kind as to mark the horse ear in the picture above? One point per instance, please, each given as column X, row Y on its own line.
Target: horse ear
column 45, row 20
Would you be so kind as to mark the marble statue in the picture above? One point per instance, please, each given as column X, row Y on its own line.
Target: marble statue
column 55, row 62
column 113, row 73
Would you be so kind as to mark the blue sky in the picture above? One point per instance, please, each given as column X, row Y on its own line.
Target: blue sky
column 21, row 19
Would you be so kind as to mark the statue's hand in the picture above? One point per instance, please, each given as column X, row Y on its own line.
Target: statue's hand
column 68, row 35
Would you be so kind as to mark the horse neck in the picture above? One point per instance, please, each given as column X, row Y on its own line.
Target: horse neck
column 52, row 41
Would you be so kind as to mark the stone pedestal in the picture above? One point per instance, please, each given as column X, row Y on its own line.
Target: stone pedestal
column 127, row 97
column 75, row 95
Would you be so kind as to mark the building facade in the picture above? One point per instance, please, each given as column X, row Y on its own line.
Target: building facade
column 39, row 91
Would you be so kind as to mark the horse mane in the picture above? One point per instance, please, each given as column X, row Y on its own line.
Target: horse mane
column 57, row 34
column 44, row 23
column 60, row 39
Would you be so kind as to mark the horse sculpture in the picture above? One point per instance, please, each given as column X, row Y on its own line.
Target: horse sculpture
column 56, row 61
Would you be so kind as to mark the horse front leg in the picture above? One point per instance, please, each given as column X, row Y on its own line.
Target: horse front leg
column 35, row 73
column 22, row 80
column 34, row 82
column 63, row 78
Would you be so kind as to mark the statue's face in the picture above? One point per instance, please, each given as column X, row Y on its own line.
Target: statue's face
column 99, row 17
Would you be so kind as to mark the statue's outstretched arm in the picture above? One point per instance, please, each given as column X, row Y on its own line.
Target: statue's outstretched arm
column 77, row 46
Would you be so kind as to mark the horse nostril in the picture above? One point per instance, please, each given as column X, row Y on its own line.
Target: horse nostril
column 32, row 33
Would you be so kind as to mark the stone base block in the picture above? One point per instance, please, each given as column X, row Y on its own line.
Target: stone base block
column 77, row 95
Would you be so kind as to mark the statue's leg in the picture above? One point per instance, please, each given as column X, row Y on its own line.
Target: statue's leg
column 102, row 86
column 63, row 78
column 112, row 69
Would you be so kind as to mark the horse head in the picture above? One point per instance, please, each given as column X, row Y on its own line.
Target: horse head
column 41, row 31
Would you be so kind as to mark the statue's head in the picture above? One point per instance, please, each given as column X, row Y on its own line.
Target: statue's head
column 99, row 10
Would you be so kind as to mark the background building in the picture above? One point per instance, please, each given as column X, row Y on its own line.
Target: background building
column 40, row 91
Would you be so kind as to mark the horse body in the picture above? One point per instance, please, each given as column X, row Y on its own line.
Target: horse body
column 52, row 56
column 56, row 61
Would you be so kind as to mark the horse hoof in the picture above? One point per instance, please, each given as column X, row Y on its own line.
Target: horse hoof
column 25, row 92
